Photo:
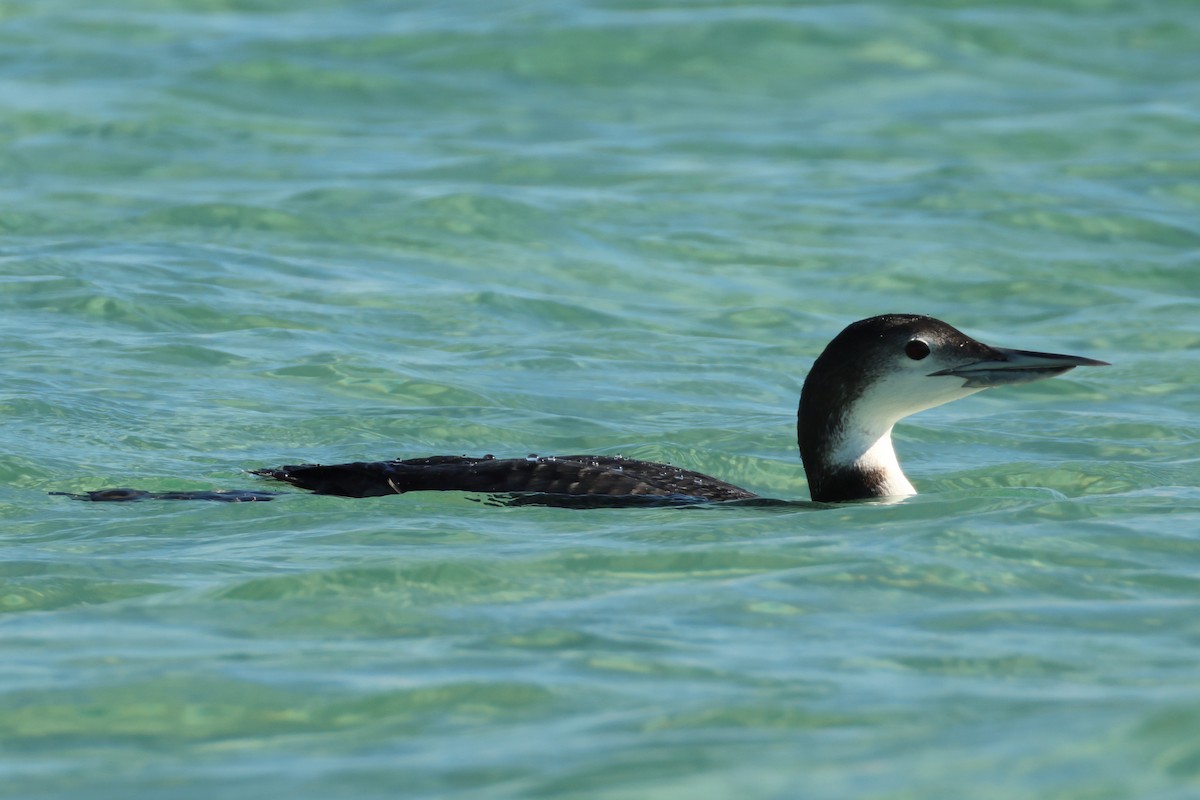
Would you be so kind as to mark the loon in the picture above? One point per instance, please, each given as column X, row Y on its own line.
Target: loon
column 873, row 374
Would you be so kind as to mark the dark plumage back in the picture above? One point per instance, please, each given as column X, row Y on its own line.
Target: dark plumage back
column 611, row 476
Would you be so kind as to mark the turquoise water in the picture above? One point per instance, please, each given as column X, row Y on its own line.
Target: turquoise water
column 240, row 233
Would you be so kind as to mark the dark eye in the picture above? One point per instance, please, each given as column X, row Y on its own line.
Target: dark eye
column 916, row 349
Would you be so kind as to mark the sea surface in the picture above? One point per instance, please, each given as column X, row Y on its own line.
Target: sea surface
column 242, row 233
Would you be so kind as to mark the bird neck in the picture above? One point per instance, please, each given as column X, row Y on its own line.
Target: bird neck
column 846, row 456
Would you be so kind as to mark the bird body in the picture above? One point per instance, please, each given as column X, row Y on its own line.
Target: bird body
column 608, row 476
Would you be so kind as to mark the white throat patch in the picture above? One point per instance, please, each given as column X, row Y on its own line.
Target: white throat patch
column 864, row 440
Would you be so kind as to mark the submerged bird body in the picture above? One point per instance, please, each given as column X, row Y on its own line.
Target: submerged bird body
column 873, row 374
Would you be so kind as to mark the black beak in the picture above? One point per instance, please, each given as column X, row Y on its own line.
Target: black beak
column 1003, row 367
